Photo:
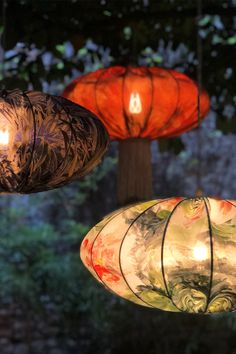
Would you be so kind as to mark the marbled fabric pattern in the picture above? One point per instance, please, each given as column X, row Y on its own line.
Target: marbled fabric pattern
column 52, row 141
column 174, row 254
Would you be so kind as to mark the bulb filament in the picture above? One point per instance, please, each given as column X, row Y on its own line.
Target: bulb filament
column 4, row 137
column 135, row 105
column 200, row 252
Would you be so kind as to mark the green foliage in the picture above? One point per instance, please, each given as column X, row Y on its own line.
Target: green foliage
column 90, row 182
column 38, row 263
column 48, row 43
column 174, row 145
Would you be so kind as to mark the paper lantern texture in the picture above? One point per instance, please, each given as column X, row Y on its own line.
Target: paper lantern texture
column 140, row 102
column 137, row 105
column 173, row 254
column 46, row 141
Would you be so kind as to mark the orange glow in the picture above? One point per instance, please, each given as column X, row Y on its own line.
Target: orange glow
column 135, row 105
column 200, row 252
column 140, row 102
column 4, row 137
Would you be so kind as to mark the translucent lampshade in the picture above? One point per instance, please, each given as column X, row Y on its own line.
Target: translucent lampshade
column 46, row 141
column 137, row 105
column 172, row 254
column 140, row 102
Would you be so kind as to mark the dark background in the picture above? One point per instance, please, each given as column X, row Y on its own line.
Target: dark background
column 49, row 304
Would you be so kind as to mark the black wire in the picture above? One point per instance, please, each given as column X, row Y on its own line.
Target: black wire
column 211, row 253
column 199, row 59
column 199, row 89
column 3, row 41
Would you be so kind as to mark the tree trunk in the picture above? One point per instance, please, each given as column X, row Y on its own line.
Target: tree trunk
column 135, row 171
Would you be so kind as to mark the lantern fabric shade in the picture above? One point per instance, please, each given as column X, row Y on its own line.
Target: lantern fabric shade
column 140, row 102
column 137, row 105
column 46, row 141
column 174, row 254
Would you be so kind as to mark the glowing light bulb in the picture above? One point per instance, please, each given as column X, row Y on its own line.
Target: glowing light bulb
column 200, row 252
column 135, row 105
column 4, row 137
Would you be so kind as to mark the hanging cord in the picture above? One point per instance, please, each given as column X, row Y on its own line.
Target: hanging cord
column 199, row 190
column 3, row 41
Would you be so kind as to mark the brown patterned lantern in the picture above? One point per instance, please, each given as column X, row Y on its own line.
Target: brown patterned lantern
column 46, row 141
column 136, row 106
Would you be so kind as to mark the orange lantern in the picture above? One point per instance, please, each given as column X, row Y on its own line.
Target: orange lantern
column 137, row 105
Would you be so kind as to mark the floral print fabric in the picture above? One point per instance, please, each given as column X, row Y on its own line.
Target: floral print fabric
column 174, row 254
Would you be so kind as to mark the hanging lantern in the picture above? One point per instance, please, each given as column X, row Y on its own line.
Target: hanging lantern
column 46, row 141
column 173, row 254
column 136, row 106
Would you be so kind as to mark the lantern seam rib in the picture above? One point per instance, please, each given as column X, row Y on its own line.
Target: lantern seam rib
column 166, row 125
column 149, row 74
column 126, row 233
column 17, row 116
column 230, row 203
column 211, row 252
column 98, row 154
column 126, row 117
column 95, row 96
column 162, row 252
column 180, row 131
column 91, row 257
column 25, row 180
column 71, row 127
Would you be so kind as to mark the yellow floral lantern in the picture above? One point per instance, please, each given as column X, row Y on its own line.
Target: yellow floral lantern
column 174, row 254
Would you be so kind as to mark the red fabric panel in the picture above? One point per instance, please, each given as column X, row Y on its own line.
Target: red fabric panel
column 140, row 102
